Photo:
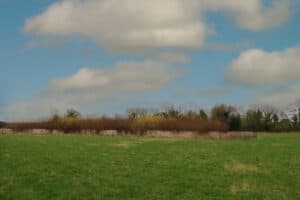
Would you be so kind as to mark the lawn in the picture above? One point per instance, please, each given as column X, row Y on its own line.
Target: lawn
column 98, row 167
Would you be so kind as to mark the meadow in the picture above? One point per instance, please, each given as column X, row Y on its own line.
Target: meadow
column 102, row 167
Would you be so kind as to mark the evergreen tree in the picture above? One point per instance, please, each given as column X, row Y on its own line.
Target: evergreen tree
column 202, row 114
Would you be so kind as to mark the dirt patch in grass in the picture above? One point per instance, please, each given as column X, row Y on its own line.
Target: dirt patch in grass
column 127, row 144
column 6, row 155
column 124, row 144
column 244, row 187
column 160, row 139
column 5, row 183
column 172, row 134
column 236, row 166
column 210, row 135
column 231, row 135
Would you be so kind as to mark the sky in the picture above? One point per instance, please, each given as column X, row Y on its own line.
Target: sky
column 105, row 56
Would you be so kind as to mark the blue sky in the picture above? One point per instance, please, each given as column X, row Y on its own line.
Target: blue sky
column 104, row 59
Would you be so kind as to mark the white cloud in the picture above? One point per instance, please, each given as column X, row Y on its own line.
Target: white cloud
column 141, row 25
column 252, row 15
column 123, row 25
column 256, row 67
column 92, row 87
column 124, row 76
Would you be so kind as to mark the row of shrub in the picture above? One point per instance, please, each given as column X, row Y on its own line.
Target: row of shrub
column 68, row 125
column 127, row 125
column 222, row 118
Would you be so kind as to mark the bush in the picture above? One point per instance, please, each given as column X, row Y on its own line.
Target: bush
column 178, row 124
column 222, row 113
column 2, row 124
column 72, row 113
column 172, row 112
column 253, row 121
column 235, row 122
column 202, row 114
column 228, row 115
column 283, row 126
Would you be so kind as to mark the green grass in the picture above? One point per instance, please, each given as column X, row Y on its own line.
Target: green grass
column 91, row 167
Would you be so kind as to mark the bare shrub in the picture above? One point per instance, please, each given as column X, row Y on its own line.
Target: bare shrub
column 2, row 124
column 126, row 125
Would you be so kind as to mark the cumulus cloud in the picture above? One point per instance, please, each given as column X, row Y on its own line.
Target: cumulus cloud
column 252, row 15
column 256, row 67
column 141, row 25
column 93, row 86
column 123, row 25
column 124, row 76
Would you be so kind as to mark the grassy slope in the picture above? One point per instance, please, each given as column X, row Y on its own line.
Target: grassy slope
column 87, row 167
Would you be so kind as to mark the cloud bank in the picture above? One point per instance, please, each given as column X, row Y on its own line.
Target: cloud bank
column 278, row 70
column 139, row 25
column 93, row 86
column 256, row 67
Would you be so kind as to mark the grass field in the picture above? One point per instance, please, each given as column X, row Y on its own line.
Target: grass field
column 91, row 167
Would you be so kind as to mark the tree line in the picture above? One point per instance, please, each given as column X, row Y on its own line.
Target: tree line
column 220, row 118
column 253, row 119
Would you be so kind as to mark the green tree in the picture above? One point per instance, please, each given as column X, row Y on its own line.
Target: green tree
column 72, row 113
column 235, row 122
column 267, row 121
column 202, row 114
column 283, row 125
column 172, row 112
column 275, row 118
column 227, row 114
column 222, row 112
column 191, row 114
column 299, row 117
column 253, row 120
column 295, row 120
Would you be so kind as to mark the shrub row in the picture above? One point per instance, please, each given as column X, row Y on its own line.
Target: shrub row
column 221, row 118
column 133, row 126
